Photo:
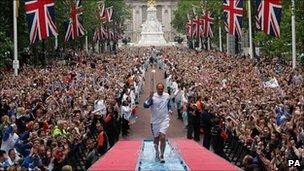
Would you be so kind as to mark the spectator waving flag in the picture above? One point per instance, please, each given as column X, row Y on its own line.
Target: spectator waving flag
column 207, row 21
column 271, row 83
column 269, row 16
column 75, row 28
column 233, row 16
column 40, row 15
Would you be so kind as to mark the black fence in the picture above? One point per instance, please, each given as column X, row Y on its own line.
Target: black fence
column 235, row 151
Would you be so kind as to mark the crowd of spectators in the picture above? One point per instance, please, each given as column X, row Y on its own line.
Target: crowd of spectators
column 48, row 112
column 260, row 102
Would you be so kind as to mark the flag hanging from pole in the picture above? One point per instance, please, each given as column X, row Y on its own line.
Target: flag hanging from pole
column 96, row 36
column 207, row 21
column 233, row 16
column 194, row 10
column 189, row 28
column 75, row 28
column 110, row 34
column 104, row 35
column 106, row 14
column 198, row 29
column 269, row 16
column 40, row 15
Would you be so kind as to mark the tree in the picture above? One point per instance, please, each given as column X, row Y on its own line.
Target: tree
column 5, row 50
column 269, row 45
column 184, row 7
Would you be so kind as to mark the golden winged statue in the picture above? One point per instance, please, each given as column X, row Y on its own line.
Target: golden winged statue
column 151, row 3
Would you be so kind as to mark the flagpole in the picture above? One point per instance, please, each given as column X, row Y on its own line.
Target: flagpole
column 86, row 43
column 227, row 42
column 16, row 61
column 208, row 44
column 200, row 46
column 220, row 36
column 293, row 28
column 56, row 42
column 250, row 30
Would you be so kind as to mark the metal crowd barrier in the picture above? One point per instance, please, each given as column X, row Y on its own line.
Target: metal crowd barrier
column 235, row 151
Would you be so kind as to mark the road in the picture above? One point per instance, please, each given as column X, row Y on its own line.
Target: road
column 141, row 129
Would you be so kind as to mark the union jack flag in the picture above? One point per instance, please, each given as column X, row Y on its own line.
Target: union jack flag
column 104, row 35
column 189, row 26
column 100, row 10
column 75, row 28
column 96, row 36
column 40, row 16
column 110, row 34
column 207, row 21
column 101, row 34
column 233, row 16
column 108, row 13
column 198, row 29
column 105, row 15
column 269, row 16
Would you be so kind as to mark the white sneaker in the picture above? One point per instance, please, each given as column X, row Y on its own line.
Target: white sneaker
column 162, row 160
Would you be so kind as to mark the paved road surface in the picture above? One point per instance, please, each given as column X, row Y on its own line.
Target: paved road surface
column 141, row 129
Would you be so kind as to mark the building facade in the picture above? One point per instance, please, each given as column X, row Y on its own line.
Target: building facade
column 165, row 9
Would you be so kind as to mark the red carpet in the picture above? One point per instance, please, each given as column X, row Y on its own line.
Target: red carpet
column 124, row 156
column 199, row 158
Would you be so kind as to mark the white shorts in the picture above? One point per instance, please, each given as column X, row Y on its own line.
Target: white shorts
column 159, row 128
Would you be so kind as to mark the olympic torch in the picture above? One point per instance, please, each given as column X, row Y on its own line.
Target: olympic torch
column 152, row 80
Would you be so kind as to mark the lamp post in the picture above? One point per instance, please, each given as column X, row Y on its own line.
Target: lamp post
column 16, row 61
column 250, row 30
column 293, row 28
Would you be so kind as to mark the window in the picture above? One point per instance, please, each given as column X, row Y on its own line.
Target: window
column 159, row 13
column 144, row 13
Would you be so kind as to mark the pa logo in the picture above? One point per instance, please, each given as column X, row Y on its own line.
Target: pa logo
column 294, row 163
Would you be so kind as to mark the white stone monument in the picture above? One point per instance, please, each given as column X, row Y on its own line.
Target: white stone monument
column 152, row 32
